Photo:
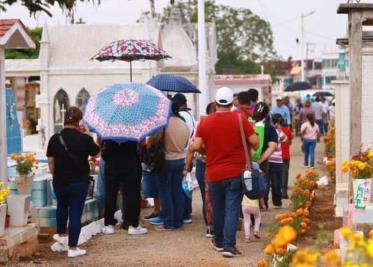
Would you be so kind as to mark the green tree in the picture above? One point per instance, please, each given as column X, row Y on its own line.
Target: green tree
column 44, row 5
column 26, row 53
column 243, row 37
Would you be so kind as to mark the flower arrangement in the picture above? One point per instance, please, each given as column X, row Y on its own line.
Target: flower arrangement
column 289, row 226
column 330, row 166
column 25, row 163
column 360, row 166
column 4, row 193
column 329, row 140
column 278, row 249
column 313, row 257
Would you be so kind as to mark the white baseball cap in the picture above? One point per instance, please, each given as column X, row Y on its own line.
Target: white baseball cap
column 224, row 96
column 279, row 97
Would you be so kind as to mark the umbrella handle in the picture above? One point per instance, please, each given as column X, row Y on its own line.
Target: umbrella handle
column 130, row 70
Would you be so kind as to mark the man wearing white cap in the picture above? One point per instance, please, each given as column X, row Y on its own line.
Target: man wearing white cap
column 281, row 109
column 219, row 137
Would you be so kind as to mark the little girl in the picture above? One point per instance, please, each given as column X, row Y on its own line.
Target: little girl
column 251, row 207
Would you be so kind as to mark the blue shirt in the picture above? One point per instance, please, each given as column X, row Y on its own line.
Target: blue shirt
column 283, row 111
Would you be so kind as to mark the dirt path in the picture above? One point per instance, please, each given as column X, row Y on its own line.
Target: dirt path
column 186, row 247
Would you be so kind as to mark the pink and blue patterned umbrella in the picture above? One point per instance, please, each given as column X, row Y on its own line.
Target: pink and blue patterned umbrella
column 130, row 50
column 127, row 112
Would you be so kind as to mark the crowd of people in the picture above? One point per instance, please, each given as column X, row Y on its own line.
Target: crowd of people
column 155, row 168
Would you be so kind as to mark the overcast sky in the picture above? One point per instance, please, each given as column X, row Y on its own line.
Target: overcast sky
column 322, row 28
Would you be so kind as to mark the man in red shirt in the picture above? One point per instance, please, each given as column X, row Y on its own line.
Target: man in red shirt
column 219, row 137
column 286, row 159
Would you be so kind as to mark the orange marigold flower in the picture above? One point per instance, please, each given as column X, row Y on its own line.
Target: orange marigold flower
column 280, row 251
column 306, row 213
column 262, row 263
column 269, row 250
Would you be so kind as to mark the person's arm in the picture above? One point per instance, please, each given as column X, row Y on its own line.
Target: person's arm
column 253, row 141
column 251, row 137
column 94, row 149
column 188, row 162
column 290, row 137
column 198, row 145
column 288, row 116
column 51, row 165
column 268, row 152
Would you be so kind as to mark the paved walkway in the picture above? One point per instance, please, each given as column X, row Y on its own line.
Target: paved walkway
column 186, row 247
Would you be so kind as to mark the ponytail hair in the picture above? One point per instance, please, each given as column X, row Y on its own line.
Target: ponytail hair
column 311, row 119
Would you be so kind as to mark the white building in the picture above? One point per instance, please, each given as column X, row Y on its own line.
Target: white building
column 330, row 70
column 68, row 76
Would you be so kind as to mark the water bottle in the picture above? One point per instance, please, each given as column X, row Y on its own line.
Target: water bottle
column 248, row 180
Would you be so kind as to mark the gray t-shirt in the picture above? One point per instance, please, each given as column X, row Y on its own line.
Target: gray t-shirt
column 318, row 108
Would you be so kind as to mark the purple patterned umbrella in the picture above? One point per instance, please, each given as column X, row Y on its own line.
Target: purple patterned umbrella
column 130, row 50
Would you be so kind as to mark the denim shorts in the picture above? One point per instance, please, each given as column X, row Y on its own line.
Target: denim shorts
column 150, row 184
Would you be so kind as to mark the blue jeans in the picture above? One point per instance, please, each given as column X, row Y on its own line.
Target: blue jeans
column 226, row 198
column 200, row 175
column 100, row 191
column 150, row 184
column 187, row 207
column 309, row 151
column 171, row 193
column 70, row 203
column 320, row 123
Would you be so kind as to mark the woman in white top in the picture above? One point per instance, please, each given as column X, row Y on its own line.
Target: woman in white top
column 310, row 134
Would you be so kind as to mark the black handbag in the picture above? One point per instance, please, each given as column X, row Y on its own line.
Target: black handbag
column 154, row 157
column 253, row 184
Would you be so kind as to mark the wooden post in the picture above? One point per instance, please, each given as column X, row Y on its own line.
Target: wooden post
column 3, row 136
column 356, row 68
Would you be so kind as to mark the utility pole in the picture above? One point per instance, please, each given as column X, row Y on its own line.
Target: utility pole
column 152, row 8
column 204, row 97
column 303, row 43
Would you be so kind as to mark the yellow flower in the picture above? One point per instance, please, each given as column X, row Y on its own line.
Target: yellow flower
column 269, row 250
column 332, row 258
column 369, row 248
column 346, row 232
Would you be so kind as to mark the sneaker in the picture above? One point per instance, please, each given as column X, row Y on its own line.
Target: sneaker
column 60, row 239
column 151, row 216
column 216, row 247
column 209, row 233
column 137, row 230
column 188, row 221
column 285, row 196
column 72, row 253
column 108, row 230
column 57, row 247
column 162, row 228
column 257, row 235
column 278, row 207
column 156, row 221
column 230, row 253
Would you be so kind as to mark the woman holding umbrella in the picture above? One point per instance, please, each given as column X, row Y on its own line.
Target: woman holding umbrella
column 123, row 115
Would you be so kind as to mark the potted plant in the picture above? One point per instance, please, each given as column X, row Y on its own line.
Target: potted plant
column 26, row 163
column 361, row 169
column 4, row 192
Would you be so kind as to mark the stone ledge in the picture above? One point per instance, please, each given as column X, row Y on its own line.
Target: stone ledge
column 19, row 242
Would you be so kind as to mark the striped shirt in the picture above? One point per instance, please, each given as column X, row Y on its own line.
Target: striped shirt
column 276, row 156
